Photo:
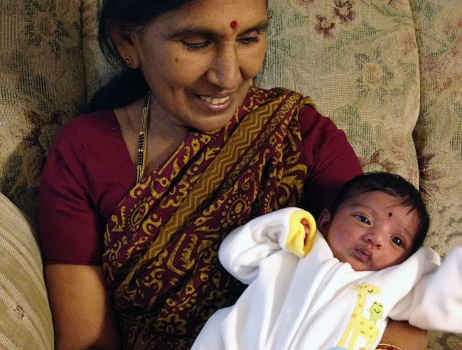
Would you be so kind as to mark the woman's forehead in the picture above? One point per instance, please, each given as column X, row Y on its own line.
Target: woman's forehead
column 218, row 14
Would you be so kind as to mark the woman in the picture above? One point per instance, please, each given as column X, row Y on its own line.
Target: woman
column 137, row 196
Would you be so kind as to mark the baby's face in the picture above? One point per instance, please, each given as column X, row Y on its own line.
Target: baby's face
column 371, row 231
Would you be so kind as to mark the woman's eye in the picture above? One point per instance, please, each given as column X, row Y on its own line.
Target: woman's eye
column 362, row 219
column 249, row 40
column 195, row 45
column 398, row 241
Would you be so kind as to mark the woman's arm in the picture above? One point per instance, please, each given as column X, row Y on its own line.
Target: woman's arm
column 70, row 231
column 330, row 159
column 81, row 315
column 403, row 336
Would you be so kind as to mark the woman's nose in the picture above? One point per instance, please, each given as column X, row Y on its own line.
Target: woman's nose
column 224, row 71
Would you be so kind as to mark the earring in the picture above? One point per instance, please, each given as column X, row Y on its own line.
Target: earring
column 128, row 61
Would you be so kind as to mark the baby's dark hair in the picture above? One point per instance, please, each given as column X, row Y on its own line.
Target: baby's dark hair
column 393, row 185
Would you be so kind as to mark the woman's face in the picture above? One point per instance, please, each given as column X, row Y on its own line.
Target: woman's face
column 200, row 60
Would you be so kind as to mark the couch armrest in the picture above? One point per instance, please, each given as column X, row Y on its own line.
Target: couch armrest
column 26, row 321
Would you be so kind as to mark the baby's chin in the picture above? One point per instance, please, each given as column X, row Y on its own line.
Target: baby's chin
column 357, row 263
column 359, row 266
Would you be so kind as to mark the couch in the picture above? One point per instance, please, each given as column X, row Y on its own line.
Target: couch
column 388, row 72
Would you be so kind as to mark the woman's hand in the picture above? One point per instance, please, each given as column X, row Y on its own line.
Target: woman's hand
column 81, row 315
column 404, row 336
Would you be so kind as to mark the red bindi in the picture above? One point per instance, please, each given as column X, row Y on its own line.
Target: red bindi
column 233, row 24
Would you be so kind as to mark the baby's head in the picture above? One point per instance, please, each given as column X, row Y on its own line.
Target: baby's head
column 377, row 220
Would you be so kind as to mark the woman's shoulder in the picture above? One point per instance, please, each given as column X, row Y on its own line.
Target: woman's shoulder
column 273, row 93
column 312, row 123
column 91, row 127
column 308, row 107
column 311, row 120
column 95, row 121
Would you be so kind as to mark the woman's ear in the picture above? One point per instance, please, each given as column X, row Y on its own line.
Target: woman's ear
column 125, row 44
column 324, row 221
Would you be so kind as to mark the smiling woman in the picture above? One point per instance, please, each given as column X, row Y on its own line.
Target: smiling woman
column 174, row 153
column 199, row 69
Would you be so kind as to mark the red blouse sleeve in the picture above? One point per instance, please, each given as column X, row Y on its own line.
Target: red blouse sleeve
column 330, row 159
column 70, row 230
column 79, row 190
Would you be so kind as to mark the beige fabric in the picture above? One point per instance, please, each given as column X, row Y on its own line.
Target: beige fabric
column 97, row 70
column 42, row 87
column 25, row 321
column 438, row 131
column 338, row 52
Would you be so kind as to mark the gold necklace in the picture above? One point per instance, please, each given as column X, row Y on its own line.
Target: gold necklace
column 142, row 138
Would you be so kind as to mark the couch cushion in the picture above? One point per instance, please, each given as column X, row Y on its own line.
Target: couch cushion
column 97, row 69
column 338, row 52
column 26, row 321
column 42, row 87
column 438, row 133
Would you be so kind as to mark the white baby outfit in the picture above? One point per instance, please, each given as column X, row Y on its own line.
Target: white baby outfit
column 318, row 302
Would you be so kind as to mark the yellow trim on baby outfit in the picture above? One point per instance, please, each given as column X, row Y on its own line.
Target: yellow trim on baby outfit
column 296, row 242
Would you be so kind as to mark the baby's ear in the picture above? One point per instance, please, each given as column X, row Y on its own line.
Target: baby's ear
column 324, row 221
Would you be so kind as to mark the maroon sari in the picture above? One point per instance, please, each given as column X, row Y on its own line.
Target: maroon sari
column 160, row 244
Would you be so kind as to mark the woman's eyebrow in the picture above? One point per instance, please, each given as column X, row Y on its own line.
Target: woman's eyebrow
column 192, row 31
column 261, row 27
column 207, row 32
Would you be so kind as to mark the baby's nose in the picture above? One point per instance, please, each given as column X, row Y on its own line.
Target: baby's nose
column 375, row 239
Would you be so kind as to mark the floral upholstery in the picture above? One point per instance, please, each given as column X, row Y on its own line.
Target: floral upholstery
column 338, row 52
column 387, row 71
column 438, row 133
column 42, row 86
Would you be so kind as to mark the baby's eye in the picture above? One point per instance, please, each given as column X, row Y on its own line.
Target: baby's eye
column 362, row 219
column 398, row 241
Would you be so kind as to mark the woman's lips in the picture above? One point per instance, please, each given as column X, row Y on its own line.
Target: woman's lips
column 215, row 100
column 214, row 104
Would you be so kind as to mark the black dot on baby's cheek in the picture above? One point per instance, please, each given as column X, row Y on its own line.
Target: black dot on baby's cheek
column 390, row 214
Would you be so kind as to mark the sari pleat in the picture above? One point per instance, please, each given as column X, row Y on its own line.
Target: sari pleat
column 160, row 245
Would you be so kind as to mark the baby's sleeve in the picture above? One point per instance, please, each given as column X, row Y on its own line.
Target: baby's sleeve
column 436, row 300
column 244, row 248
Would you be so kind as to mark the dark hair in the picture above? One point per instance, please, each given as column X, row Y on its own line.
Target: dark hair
column 129, row 15
column 393, row 185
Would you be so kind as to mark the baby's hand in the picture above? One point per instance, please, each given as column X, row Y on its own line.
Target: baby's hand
column 306, row 226
column 301, row 233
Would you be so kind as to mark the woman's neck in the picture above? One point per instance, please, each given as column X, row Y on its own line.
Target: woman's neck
column 163, row 136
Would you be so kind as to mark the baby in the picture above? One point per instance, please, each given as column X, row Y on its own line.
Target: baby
column 335, row 290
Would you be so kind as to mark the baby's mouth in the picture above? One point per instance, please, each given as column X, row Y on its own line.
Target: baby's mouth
column 362, row 254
